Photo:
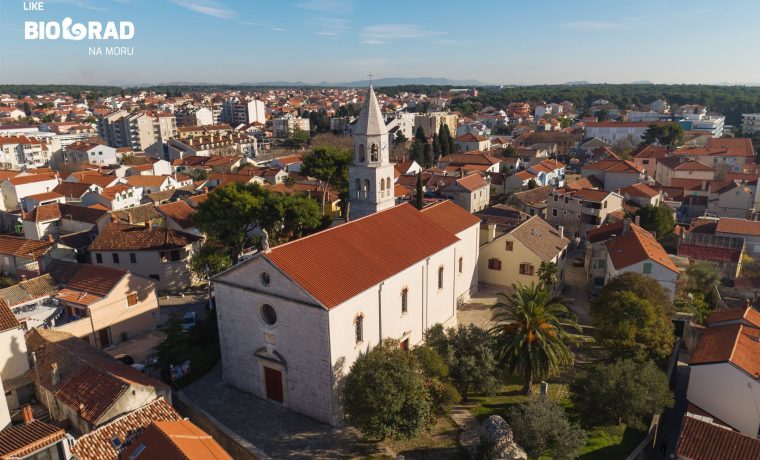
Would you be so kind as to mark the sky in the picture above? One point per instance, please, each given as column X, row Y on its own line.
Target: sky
column 493, row 41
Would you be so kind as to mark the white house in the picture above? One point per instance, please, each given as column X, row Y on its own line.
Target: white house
column 15, row 188
column 636, row 250
column 725, row 367
column 549, row 172
column 94, row 153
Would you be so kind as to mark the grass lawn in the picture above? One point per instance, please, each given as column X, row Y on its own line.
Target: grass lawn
column 439, row 442
column 603, row 443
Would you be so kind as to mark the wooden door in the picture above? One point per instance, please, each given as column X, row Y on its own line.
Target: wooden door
column 105, row 337
column 273, row 381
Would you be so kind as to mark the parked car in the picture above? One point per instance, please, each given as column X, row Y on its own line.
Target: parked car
column 189, row 320
column 578, row 261
column 125, row 358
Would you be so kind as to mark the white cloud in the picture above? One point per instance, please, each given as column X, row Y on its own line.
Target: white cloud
column 592, row 25
column 208, row 8
column 385, row 33
column 330, row 27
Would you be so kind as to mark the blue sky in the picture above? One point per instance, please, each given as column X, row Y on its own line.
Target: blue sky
column 226, row 41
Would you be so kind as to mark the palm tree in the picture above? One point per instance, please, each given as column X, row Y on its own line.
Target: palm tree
column 547, row 273
column 529, row 332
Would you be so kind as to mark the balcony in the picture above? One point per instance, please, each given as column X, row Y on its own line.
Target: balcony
column 592, row 211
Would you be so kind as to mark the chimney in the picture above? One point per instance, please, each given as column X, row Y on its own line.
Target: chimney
column 561, row 230
column 54, row 374
column 205, row 190
column 129, row 217
column 113, row 218
column 50, row 239
column 22, row 277
column 28, row 414
column 626, row 225
column 637, row 219
column 149, row 223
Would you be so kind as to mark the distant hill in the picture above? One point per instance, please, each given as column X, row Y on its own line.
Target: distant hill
column 391, row 81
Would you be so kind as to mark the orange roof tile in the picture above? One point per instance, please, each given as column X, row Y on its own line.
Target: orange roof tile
column 635, row 246
column 701, row 440
column 735, row 343
column 179, row 439
column 450, row 216
column 738, row 226
column 22, row 440
column 14, row 245
column 361, row 253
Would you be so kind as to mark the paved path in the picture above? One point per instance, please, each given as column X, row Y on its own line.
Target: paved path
column 469, row 437
column 670, row 423
column 272, row 428
column 575, row 291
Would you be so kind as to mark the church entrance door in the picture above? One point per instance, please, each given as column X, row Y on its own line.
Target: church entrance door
column 273, row 382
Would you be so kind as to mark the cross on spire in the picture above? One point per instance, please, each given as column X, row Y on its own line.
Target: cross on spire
column 370, row 78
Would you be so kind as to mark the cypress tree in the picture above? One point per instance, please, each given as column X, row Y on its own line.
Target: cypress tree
column 420, row 195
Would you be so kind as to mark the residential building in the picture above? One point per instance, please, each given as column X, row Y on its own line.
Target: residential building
column 197, row 116
column 110, row 441
column 734, row 199
column 14, row 189
column 645, row 158
column 749, row 230
column 92, row 152
column 34, row 439
column 294, row 318
column 161, row 254
column 12, row 355
column 562, row 141
column 724, row 369
column 680, row 167
column 236, row 112
column 724, row 252
column 750, row 123
column 59, row 219
column 613, row 132
column 23, row 257
column 581, row 210
column 83, row 386
column 283, row 127
column 370, row 174
column 119, row 196
column 704, row 438
column 548, row 172
column 431, row 123
column 175, row 439
column 625, row 247
column 472, row 192
column 641, row 195
column 470, row 161
column 138, row 130
column 614, row 174
column 233, row 144
column 514, row 255
column 532, row 202
column 22, row 152
column 468, row 142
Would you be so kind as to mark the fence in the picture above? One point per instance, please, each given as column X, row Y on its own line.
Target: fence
column 646, row 446
column 236, row 446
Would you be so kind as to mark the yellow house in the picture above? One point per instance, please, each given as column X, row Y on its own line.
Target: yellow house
column 514, row 256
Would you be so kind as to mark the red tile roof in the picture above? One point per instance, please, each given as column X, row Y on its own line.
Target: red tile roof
column 21, row 440
column 361, row 253
column 180, row 212
column 738, row 226
column 450, row 216
column 735, row 343
column 20, row 180
column 7, row 318
column 125, row 237
column 96, row 279
column 640, row 190
column 637, row 245
column 178, row 439
column 700, row 440
column 735, row 314
column 472, row 182
column 737, row 146
column 98, row 445
column 14, row 245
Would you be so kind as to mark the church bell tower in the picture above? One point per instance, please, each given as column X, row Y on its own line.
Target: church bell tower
column 370, row 175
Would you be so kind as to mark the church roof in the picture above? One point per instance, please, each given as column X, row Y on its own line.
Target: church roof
column 338, row 263
column 370, row 120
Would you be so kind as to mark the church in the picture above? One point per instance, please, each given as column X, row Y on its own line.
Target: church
column 294, row 318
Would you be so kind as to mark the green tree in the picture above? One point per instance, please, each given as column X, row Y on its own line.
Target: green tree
column 419, row 135
column 695, row 303
column 442, row 393
column 509, row 151
column 469, row 354
column 702, row 277
column 623, row 392
column 210, row 260
column 420, row 195
column 547, row 273
column 297, row 138
column 532, row 184
column 384, row 394
column 543, row 429
column 330, row 166
column 529, row 333
column 27, row 110
column 176, row 346
column 631, row 325
column 427, row 155
column 436, row 149
column 657, row 219
column 667, row 134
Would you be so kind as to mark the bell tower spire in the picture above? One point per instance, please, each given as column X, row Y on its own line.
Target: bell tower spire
column 371, row 172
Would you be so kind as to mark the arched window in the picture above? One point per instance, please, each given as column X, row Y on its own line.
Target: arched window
column 373, row 153
column 362, row 154
column 358, row 184
column 382, row 185
column 461, row 263
column 440, row 277
column 388, row 183
column 404, row 300
column 366, row 189
column 359, row 328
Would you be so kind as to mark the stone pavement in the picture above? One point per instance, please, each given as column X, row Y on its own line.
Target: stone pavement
column 469, row 437
column 575, row 291
column 277, row 431
column 478, row 309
